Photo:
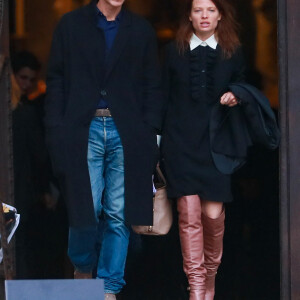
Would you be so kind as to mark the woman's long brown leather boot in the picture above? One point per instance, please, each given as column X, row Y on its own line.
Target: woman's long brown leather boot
column 191, row 239
column 213, row 231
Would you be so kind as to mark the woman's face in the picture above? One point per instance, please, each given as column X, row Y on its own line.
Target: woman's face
column 204, row 17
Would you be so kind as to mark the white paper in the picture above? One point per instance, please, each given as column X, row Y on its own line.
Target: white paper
column 13, row 230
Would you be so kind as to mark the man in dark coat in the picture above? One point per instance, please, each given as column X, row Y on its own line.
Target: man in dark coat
column 102, row 113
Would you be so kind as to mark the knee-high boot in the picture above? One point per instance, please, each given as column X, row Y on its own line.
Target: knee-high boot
column 213, row 232
column 191, row 239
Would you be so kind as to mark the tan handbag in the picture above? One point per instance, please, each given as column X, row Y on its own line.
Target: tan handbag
column 162, row 211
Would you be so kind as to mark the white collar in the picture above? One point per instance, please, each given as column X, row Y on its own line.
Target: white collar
column 195, row 42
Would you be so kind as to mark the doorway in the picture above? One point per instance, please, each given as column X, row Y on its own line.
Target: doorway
column 257, row 227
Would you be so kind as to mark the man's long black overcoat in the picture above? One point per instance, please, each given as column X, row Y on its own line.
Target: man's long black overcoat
column 129, row 78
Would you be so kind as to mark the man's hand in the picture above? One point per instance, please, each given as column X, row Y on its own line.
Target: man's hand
column 229, row 99
column 49, row 202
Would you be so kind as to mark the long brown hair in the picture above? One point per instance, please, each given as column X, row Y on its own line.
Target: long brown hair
column 226, row 31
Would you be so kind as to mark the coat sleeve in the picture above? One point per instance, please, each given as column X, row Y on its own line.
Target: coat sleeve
column 260, row 118
column 55, row 97
column 55, row 101
column 240, row 67
column 153, row 99
column 166, row 79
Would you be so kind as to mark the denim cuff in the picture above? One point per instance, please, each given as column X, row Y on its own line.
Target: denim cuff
column 111, row 292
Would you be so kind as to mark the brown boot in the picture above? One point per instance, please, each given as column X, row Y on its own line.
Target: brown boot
column 197, row 294
column 79, row 275
column 213, row 231
column 191, row 239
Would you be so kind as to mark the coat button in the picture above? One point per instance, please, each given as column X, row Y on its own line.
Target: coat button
column 103, row 93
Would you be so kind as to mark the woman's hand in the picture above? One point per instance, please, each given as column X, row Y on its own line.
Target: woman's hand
column 229, row 99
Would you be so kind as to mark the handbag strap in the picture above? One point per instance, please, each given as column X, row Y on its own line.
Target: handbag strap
column 160, row 174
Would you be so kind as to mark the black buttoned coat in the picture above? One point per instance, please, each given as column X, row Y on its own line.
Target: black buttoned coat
column 129, row 78
column 204, row 142
column 194, row 82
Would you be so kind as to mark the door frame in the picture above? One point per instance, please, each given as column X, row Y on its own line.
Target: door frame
column 6, row 158
column 289, row 92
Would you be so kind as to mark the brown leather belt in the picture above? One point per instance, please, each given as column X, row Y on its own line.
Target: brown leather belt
column 103, row 113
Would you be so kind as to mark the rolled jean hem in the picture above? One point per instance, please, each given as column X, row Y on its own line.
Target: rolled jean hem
column 111, row 292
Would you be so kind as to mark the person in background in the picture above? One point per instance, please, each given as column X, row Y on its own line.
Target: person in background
column 29, row 153
column 211, row 119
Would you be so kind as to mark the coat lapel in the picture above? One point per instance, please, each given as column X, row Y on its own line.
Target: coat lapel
column 96, row 45
column 120, row 41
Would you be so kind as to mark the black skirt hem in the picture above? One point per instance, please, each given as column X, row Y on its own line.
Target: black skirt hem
column 175, row 195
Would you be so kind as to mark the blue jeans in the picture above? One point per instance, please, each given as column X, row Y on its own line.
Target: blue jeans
column 106, row 168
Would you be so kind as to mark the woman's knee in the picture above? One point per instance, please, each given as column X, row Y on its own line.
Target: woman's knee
column 212, row 209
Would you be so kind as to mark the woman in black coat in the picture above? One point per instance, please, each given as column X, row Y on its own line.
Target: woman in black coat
column 199, row 67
